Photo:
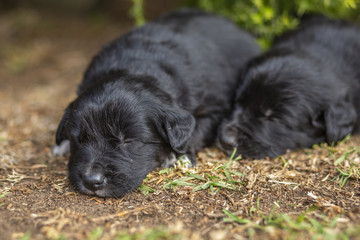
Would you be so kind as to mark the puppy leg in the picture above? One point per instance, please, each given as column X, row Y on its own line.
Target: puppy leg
column 62, row 149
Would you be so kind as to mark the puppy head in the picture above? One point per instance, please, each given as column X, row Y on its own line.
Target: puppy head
column 118, row 135
column 286, row 104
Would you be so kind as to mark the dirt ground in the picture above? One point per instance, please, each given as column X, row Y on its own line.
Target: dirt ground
column 311, row 193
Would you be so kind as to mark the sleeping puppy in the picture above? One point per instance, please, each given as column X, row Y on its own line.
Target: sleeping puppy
column 305, row 90
column 149, row 97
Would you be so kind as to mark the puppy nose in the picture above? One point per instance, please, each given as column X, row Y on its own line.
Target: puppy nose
column 93, row 181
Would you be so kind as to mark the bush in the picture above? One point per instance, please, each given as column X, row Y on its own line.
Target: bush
column 269, row 18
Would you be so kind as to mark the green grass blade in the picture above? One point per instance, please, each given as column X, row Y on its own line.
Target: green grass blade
column 233, row 218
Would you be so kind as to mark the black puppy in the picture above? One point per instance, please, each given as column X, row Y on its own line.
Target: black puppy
column 305, row 90
column 154, row 94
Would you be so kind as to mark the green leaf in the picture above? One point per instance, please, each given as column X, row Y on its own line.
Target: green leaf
column 95, row 234
column 227, row 175
column 166, row 170
column 233, row 218
column 145, row 189
column 213, row 190
column 26, row 236
column 195, row 176
column 237, row 173
column 202, row 186
column 137, row 12
column 179, row 182
column 351, row 3
column 342, row 172
column 3, row 195
column 340, row 159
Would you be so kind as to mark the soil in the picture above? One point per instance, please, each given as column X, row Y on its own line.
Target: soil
column 42, row 59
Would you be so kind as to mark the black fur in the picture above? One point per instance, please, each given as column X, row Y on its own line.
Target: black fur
column 157, row 92
column 303, row 91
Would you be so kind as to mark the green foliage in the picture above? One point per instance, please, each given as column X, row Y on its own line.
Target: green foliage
column 220, row 177
column 266, row 18
column 269, row 18
column 309, row 223
column 26, row 236
column 346, row 167
column 145, row 189
column 95, row 234
column 3, row 195
column 137, row 12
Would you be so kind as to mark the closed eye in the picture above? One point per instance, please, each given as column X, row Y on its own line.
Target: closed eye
column 128, row 140
column 152, row 141
column 143, row 141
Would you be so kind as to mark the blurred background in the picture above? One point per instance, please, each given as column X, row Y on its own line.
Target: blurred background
column 264, row 18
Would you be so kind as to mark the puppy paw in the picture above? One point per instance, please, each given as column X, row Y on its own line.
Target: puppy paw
column 62, row 149
column 171, row 160
column 185, row 161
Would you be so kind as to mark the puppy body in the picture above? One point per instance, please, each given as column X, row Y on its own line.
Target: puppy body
column 305, row 90
column 156, row 93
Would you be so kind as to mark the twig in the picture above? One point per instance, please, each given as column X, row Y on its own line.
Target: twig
column 119, row 214
column 286, row 183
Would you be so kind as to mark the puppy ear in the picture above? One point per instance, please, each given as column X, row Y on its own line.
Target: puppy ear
column 61, row 133
column 176, row 127
column 340, row 119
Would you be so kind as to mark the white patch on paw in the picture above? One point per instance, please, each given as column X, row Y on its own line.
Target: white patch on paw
column 184, row 161
column 62, row 149
column 169, row 161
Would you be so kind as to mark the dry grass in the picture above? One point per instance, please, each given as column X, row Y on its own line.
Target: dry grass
column 310, row 193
